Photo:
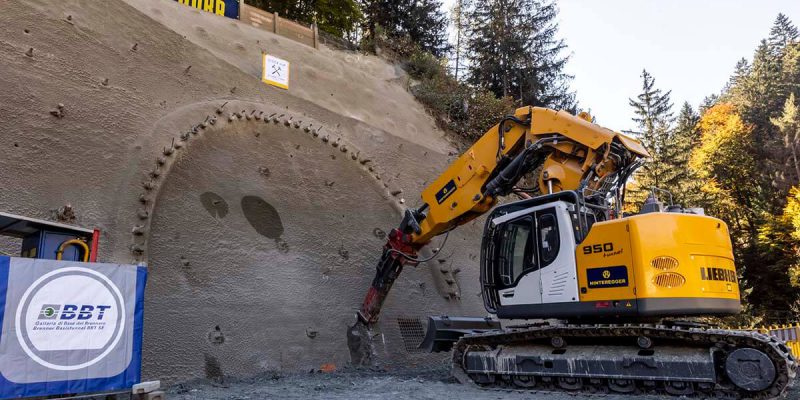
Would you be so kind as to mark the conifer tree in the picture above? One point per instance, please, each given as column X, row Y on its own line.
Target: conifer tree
column 783, row 33
column 460, row 27
column 514, row 51
column 740, row 72
column 422, row 21
column 789, row 126
column 653, row 109
column 685, row 138
column 426, row 25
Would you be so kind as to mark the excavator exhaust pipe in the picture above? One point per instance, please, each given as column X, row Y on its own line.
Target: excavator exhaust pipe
column 443, row 331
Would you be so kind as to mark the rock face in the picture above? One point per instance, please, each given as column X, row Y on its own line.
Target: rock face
column 260, row 212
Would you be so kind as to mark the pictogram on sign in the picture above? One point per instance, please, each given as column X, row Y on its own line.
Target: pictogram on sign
column 274, row 71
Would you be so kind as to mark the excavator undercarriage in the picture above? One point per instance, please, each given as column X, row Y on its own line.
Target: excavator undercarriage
column 629, row 358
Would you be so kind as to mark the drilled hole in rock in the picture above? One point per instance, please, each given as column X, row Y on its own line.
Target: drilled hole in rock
column 262, row 216
column 213, row 369
column 214, row 204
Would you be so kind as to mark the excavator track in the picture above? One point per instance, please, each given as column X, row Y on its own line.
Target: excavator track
column 632, row 358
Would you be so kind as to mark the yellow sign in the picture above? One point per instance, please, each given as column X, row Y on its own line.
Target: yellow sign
column 274, row 71
column 212, row 6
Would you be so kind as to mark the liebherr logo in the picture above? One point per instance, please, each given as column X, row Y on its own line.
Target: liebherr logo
column 718, row 274
column 73, row 311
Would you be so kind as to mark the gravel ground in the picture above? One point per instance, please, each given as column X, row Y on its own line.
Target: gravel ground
column 365, row 385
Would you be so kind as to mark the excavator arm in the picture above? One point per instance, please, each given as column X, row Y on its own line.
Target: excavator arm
column 558, row 150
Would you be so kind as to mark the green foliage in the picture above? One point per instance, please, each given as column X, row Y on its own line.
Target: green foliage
column 746, row 170
column 461, row 25
column 739, row 160
column 423, row 65
column 653, row 109
column 422, row 22
column 723, row 159
column 514, row 52
column 792, row 212
column 457, row 107
column 337, row 17
column 773, row 273
column 789, row 126
column 782, row 34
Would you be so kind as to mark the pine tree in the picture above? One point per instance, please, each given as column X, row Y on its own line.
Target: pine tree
column 653, row 109
column 783, row 33
column 514, row 52
column 421, row 21
column 458, row 15
column 338, row 17
column 427, row 26
column 759, row 96
column 685, row 138
column 790, row 75
column 686, row 133
column 740, row 72
column 789, row 126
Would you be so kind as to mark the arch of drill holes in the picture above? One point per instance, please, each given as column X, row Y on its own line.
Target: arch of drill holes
column 155, row 178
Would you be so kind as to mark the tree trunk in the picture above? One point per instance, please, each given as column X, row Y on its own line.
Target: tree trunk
column 794, row 153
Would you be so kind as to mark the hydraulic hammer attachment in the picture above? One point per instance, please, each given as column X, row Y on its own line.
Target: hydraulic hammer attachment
column 397, row 252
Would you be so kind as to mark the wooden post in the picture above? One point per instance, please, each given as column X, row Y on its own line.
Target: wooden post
column 275, row 22
column 315, row 34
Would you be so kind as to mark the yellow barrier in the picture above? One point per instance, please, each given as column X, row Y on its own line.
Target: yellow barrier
column 790, row 334
column 794, row 346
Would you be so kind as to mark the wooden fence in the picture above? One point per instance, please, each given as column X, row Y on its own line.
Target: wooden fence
column 272, row 22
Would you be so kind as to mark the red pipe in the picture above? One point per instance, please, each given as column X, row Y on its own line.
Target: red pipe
column 95, row 244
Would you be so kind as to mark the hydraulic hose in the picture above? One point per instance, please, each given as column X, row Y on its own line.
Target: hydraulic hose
column 73, row 242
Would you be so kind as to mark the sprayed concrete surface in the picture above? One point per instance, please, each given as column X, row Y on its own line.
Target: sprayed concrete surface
column 260, row 212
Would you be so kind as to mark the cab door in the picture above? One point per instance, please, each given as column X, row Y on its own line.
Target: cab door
column 555, row 246
column 517, row 264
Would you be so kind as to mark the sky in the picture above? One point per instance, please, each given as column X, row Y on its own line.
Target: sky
column 689, row 46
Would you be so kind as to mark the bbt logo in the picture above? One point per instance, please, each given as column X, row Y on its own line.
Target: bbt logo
column 72, row 311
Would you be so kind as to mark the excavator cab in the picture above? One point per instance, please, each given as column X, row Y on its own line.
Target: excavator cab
column 557, row 256
column 528, row 256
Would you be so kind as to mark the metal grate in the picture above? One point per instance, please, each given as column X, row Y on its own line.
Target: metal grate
column 664, row 263
column 412, row 333
column 669, row 280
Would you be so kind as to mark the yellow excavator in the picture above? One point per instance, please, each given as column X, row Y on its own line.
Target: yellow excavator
column 615, row 282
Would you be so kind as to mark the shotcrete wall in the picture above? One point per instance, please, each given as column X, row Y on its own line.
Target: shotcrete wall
column 260, row 212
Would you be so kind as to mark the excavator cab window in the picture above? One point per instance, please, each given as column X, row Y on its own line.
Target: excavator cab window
column 548, row 237
column 516, row 252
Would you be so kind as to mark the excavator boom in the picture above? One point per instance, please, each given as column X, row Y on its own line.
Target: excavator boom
column 567, row 152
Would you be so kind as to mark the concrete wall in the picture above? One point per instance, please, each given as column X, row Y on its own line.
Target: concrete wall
column 260, row 212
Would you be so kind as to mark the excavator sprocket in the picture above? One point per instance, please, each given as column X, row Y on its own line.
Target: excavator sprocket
column 677, row 360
